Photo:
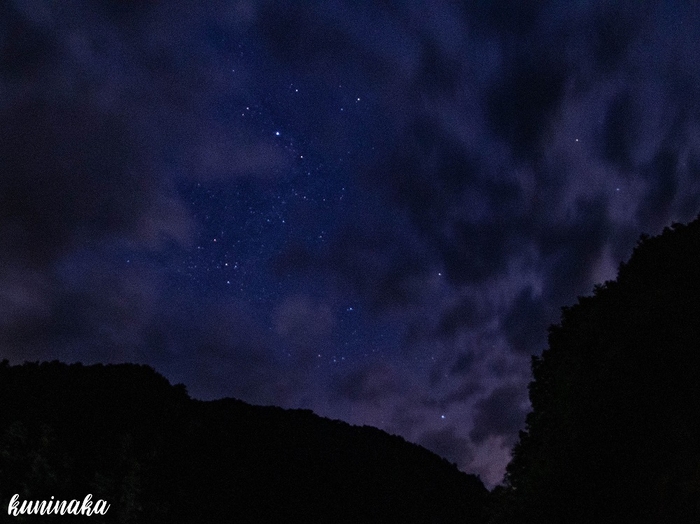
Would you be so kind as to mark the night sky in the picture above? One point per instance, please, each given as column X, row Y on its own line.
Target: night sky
column 368, row 209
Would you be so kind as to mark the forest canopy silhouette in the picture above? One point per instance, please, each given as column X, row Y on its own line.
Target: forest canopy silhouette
column 613, row 435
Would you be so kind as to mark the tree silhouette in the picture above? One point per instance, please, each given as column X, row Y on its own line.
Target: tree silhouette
column 613, row 435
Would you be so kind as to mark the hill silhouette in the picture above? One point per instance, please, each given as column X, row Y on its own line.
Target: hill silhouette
column 125, row 435
column 613, row 435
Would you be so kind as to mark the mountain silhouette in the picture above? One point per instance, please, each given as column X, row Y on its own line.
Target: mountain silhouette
column 125, row 435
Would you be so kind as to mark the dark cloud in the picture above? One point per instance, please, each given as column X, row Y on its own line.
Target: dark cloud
column 574, row 246
column 218, row 347
column 304, row 325
column 499, row 414
column 71, row 175
column 466, row 391
column 405, row 419
column 428, row 169
column 465, row 314
column 439, row 72
column 614, row 30
column 473, row 252
column 509, row 16
column 90, row 309
column 521, row 106
column 621, row 131
column 662, row 185
column 689, row 201
column 303, row 37
column 526, row 323
column 381, row 264
column 463, row 364
column 370, row 384
column 227, row 354
column 446, row 443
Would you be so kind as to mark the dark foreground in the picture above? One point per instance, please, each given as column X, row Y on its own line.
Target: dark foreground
column 122, row 433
